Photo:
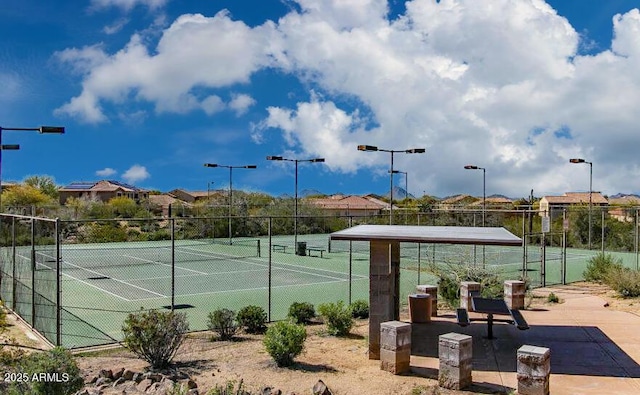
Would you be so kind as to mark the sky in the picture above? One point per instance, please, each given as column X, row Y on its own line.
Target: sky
column 150, row 90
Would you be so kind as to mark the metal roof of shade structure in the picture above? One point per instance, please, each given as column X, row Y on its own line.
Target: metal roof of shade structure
column 430, row 234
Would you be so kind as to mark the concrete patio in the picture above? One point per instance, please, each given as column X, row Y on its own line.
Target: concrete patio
column 594, row 349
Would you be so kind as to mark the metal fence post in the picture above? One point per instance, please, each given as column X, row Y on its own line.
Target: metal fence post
column 33, row 273
column 602, row 225
column 350, row 269
column 58, row 286
column 14, row 282
column 173, row 263
column 269, row 274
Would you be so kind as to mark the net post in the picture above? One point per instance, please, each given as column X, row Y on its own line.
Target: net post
column 58, row 286
column 33, row 272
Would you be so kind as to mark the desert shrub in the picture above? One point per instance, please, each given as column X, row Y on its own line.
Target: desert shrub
column 451, row 275
column 553, row 298
column 624, row 281
column 598, row 267
column 253, row 319
column 223, row 322
column 284, row 341
column 52, row 372
column 155, row 336
column 301, row 312
column 229, row 388
column 337, row 317
column 360, row 309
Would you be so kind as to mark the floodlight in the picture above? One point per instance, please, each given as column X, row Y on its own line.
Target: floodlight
column 367, row 148
column 274, row 158
column 51, row 129
column 577, row 160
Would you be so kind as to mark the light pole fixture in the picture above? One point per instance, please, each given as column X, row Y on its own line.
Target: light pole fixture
column 580, row 160
column 230, row 188
column 370, row 148
column 296, row 161
column 41, row 130
column 484, row 188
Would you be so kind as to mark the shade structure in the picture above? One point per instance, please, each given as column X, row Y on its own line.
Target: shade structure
column 430, row 234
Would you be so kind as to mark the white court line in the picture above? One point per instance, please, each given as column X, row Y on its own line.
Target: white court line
column 114, row 279
column 253, row 289
column 208, row 274
column 164, row 264
column 86, row 283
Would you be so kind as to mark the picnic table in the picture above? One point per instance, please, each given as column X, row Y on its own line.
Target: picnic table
column 491, row 307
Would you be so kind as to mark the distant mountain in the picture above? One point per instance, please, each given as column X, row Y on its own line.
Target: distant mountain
column 621, row 195
column 399, row 193
column 309, row 192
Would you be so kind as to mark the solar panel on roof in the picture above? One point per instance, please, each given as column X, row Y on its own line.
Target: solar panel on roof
column 80, row 185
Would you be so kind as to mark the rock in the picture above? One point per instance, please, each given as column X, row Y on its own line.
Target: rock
column 193, row 392
column 265, row 391
column 191, row 384
column 137, row 377
column 101, row 381
column 321, row 389
column 92, row 380
column 128, row 374
column 154, row 377
column 117, row 374
column 119, row 381
column 106, row 373
column 83, row 392
column 144, row 385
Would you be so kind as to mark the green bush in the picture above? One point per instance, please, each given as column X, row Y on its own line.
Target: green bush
column 253, row 319
column 337, row 317
column 301, row 312
column 553, row 298
column 223, row 322
column 228, row 389
column 52, row 372
column 284, row 341
column 451, row 275
column 624, row 281
column 155, row 336
column 360, row 309
column 598, row 267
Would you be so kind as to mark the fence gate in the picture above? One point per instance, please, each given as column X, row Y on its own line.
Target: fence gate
column 545, row 258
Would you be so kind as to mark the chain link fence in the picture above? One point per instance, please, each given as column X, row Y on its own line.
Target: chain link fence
column 75, row 281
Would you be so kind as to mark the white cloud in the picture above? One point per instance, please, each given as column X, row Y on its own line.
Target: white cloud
column 106, row 172
column 135, row 174
column 128, row 4
column 240, row 103
column 498, row 83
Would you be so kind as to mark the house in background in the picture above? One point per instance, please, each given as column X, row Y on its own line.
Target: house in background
column 103, row 191
column 623, row 207
column 357, row 206
column 457, row 202
column 192, row 196
column 550, row 203
column 494, row 202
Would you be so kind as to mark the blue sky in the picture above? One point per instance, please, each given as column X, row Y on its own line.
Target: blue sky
column 150, row 90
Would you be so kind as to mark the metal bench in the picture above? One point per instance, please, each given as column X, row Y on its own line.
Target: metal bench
column 316, row 249
column 279, row 247
column 518, row 320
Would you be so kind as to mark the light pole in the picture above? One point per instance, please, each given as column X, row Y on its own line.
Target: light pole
column 296, row 161
column 230, row 188
column 406, row 191
column 209, row 183
column 484, row 189
column 406, row 151
column 580, row 160
column 41, row 130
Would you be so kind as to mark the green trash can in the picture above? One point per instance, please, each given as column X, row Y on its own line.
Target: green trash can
column 301, row 248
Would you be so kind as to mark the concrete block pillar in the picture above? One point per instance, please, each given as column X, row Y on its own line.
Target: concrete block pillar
column 534, row 370
column 395, row 347
column 455, row 352
column 433, row 291
column 384, row 289
column 514, row 291
column 467, row 289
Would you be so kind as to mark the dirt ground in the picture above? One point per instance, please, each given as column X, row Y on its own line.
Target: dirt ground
column 342, row 363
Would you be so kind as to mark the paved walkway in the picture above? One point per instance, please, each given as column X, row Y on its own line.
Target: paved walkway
column 594, row 350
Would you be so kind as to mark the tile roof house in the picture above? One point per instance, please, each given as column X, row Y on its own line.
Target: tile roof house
column 103, row 190
column 191, row 196
column 494, row 202
column 457, row 201
column 623, row 208
column 350, row 205
column 548, row 203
